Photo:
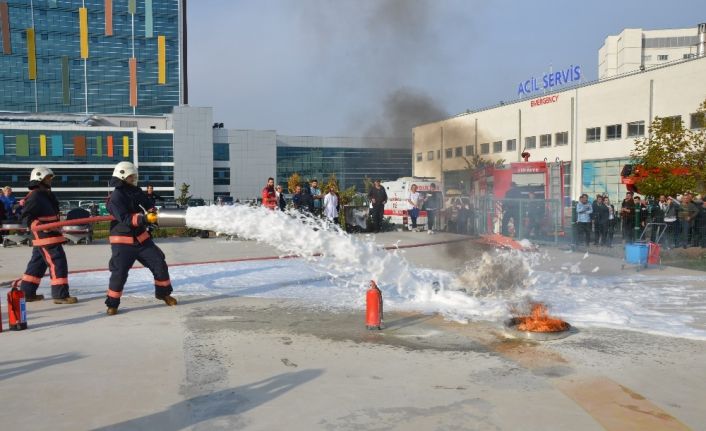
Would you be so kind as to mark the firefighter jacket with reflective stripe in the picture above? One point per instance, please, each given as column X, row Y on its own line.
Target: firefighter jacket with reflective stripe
column 126, row 204
column 42, row 207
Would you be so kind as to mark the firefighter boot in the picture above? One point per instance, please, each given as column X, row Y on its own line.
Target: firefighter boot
column 169, row 300
column 34, row 298
column 67, row 300
column 112, row 311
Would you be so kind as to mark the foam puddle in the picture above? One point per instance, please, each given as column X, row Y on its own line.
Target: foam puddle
column 335, row 268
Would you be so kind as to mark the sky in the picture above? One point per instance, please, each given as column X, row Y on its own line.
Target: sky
column 378, row 67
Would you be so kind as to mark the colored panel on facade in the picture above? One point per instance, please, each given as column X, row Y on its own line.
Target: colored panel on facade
column 108, row 17
column 126, row 146
column 2, row 145
column 162, row 60
column 83, row 28
column 57, row 146
column 22, row 145
column 31, row 54
column 65, row 82
column 99, row 146
column 131, row 7
column 42, row 145
column 109, row 145
column 149, row 20
column 79, row 146
column 133, row 82
column 5, row 24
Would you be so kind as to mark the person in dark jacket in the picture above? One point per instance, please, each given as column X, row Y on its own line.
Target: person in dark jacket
column 297, row 198
column 9, row 204
column 42, row 207
column 432, row 204
column 627, row 215
column 281, row 201
column 129, row 239
column 152, row 196
column 601, row 214
column 306, row 200
column 378, row 199
column 594, row 215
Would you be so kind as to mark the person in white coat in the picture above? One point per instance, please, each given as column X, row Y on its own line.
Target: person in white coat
column 331, row 205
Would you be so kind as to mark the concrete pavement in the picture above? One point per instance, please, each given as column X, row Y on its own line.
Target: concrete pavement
column 247, row 363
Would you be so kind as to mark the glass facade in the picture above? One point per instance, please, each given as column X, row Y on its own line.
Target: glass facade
column 603, row 176
column 221, row 176
column 158, row 176
column 155, row 147
column 52, row 146
column 53, row 61
column 221, row 152
column 93, row 153
column 351, row 165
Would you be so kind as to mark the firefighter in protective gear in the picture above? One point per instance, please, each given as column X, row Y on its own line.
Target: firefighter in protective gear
column 41, row 207
column 129, row 239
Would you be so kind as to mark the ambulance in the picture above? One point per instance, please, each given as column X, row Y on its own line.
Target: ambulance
column 397, row 206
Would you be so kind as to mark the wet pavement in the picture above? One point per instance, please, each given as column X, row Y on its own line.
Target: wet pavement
column 254, row 363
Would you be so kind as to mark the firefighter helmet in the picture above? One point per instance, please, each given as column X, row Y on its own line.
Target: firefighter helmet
column 39, row 173
column 123, row 170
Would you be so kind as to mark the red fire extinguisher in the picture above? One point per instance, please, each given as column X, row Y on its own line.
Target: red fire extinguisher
column 373, row 311
column 16, row 309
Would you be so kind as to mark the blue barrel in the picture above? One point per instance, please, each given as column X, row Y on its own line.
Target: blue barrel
column 636, row 253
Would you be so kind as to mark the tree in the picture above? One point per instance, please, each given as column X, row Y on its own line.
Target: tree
column 671, row 159
column 293, row 181
column 476, row 162
column 184, row 196
column 367, row 184
column 331, row 181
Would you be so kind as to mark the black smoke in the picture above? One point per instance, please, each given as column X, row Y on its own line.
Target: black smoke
column 389, row 45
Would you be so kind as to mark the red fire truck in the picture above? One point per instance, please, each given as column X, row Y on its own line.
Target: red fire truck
column 493, row 186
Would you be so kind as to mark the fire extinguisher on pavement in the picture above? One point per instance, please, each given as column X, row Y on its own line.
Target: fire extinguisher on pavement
column 16, row 309
column 373, row 309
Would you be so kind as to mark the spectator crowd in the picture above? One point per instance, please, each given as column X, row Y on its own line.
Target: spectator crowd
column 673, row 221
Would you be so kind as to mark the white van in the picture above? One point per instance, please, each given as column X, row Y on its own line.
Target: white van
column 397, row 206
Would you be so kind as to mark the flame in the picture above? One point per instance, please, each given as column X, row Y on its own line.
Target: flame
column 539, row 320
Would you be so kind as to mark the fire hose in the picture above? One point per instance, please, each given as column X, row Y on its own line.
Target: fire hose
column 162, row 218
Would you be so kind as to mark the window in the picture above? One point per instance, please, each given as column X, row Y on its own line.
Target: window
column 561, row 138
column 545, row 140
column 220, row 151
column 430, row 155
column 497, row 146
column 419, row 157
column 636, row 128
column 593, row 134
column 698, row 121
column 531, row 142
column 646, row 58
column 458, row 152
column 470, row 150
column 662, row 57
column 672, row 123
column 688, row 56
column 614, row 131
column 511, row 145
column 485, row 148
column 449, row 153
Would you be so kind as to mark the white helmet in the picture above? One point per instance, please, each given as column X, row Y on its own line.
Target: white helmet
column 39, row 173
column 124, row 169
